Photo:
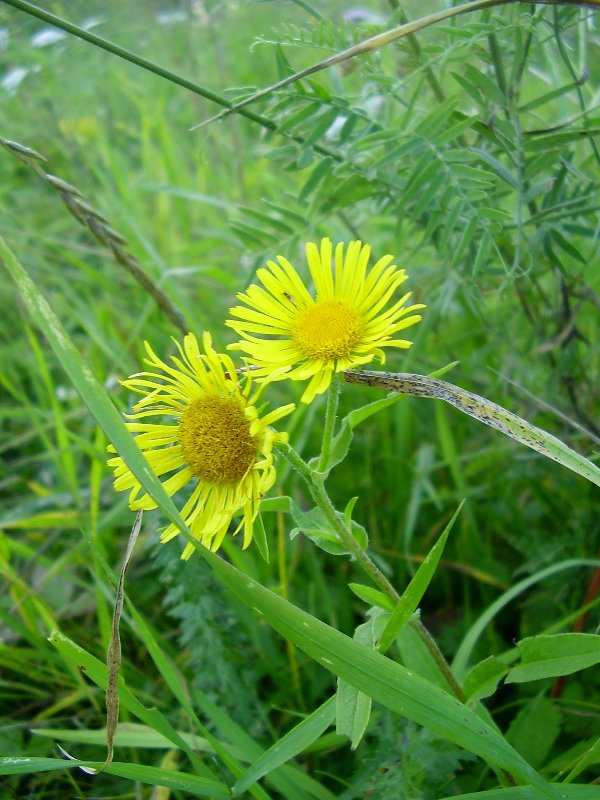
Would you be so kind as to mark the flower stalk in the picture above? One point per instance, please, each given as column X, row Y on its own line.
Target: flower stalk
column 316, row 485
column 333, row 396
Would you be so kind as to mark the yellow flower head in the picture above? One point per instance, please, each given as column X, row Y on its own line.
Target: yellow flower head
column 216, row 438
column 301, row 337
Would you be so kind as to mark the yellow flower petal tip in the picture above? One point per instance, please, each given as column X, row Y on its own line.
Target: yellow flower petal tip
column 210, row 435
column 286, row 332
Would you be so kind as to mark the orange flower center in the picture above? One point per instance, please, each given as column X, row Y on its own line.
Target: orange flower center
column 215, row 439
column 327, row 330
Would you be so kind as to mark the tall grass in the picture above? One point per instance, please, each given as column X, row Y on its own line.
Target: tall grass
column 473, row 158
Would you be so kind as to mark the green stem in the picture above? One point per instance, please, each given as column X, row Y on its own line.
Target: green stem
column 157, row 69
column 333, row 396
column 316, row 485
column 431, row 644
column 317, row 489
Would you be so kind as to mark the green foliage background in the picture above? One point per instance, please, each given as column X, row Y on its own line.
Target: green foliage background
column 473, row 158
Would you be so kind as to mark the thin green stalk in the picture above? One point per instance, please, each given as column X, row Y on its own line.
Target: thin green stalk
column 162, row 72
column 415, row 46
column 316, row 485
column 333, row 396
column 321, row 498
column 438, row 657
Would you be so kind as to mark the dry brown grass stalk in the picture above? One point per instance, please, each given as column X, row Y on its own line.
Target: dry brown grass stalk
column 98, row 226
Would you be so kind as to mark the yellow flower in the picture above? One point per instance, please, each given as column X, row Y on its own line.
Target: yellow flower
column 345, row 325
column 217, row 438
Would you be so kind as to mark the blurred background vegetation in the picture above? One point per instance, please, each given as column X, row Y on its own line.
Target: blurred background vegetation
column 471, row 155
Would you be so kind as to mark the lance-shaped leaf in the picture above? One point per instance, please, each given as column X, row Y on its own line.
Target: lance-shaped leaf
column 386, row 681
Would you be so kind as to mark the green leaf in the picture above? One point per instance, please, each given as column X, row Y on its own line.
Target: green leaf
column 315, row 525
column 551, row 656
column 571, row 792
column 174, row 681
column 549, row 140
column 349, row 509
column 278, row 504
column 315, row 178
column 259, row 536
column 305, row 159
column 372, row 596
column 483, row 679
column 155, row 776
column 548, row 96
column 353, row 713
column 382, row 679
column 463, row 654
column 535, row 729
column 416, row 657
column 415, row 590
column 566, row 246
column 296, row 741
column 98, row 673
column 343, row 438
column 299, row 116
column 284, row 68
column 590, row 756
column 24, row 765
column 129, row 734
column 353, row 707
column 92, row 392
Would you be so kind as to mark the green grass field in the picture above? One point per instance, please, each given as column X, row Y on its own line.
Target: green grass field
column 469, row 150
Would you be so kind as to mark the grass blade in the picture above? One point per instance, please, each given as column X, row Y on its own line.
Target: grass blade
column 463, row 654
column 415, row 590
column 294, row 742
column 91, row 391
column 384, row 680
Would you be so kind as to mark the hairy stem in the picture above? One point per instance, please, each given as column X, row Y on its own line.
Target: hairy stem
column 316, row 486
column 333, row 396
